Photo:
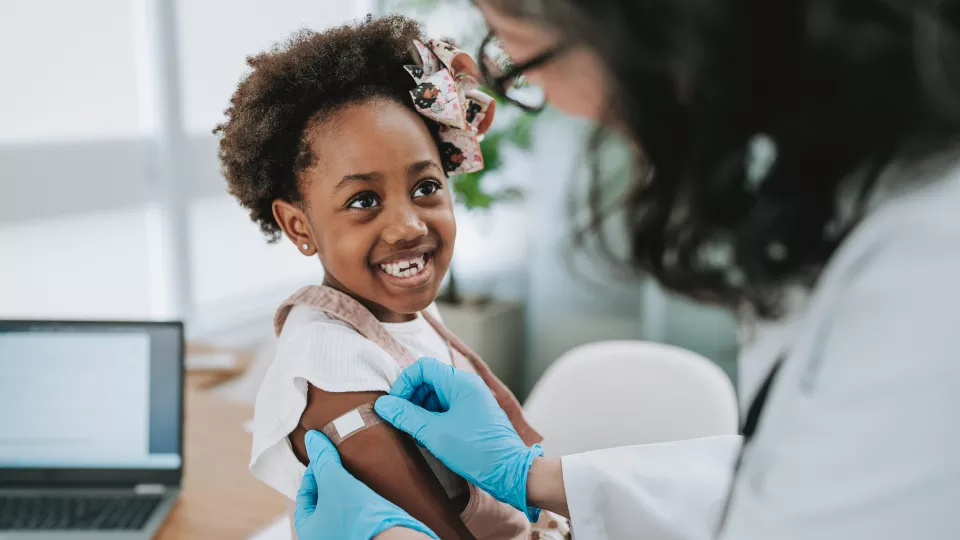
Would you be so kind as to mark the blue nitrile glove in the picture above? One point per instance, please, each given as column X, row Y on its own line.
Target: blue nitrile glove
column 454, row 415
column 342, row 507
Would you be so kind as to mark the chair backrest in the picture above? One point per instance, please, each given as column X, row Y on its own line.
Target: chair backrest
column 617, row 393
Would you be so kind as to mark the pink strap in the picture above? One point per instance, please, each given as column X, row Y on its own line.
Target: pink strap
column 348, row 310
column 505, row 398
column 352, row 312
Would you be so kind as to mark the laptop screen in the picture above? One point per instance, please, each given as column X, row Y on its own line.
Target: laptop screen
column 90, row 395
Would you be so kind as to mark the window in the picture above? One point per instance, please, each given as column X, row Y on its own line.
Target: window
column 81, row 201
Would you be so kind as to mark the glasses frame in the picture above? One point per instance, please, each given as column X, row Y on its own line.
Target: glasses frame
column 499, row 83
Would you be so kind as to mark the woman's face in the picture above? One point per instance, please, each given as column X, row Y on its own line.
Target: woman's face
column 573, row 80
column 377, row 208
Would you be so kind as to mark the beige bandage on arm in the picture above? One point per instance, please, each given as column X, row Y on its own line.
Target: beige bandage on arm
column 350, row 423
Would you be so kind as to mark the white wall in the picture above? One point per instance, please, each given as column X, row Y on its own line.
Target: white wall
column 68, row 70
column 70, row 268
column 216, row 36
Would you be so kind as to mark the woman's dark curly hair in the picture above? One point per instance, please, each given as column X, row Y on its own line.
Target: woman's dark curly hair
column 838, row 86
column 263, row 145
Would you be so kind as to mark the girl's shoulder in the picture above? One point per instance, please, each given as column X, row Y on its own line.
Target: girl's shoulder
column 310, row 331
column 330, row 354
column 311, row 328
column 304, row 316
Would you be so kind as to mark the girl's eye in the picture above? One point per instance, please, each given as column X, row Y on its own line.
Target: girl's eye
column 364, row 201
column 426, row 188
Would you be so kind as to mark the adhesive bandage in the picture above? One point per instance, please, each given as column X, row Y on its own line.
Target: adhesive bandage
column 350, row 423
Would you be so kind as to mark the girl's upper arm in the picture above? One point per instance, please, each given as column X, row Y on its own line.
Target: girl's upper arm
column 385, row 459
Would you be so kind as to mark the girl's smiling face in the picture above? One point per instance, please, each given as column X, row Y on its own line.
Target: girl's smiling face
column 376, row 208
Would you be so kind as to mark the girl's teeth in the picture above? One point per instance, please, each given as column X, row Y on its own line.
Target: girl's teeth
column 404, row 269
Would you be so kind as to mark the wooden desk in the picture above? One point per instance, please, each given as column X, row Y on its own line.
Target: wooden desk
column 202, row 379
column 220, row 498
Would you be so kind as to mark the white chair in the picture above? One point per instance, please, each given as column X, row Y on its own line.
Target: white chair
column 617, row 393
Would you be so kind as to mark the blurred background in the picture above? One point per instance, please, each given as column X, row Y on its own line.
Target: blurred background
column 112, row 205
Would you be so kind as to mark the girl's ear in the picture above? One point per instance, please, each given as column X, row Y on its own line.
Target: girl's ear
column 293, row 222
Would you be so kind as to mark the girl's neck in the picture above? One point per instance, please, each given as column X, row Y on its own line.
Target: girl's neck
column 381, row 313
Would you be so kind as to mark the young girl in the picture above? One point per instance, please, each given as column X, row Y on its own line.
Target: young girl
column 342, row 142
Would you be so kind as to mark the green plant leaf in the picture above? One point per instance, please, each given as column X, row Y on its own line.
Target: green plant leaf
column 490, row 147
column 469, row 192
column 520, row 133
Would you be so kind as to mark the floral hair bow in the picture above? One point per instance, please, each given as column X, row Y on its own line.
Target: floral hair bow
column 448, row 94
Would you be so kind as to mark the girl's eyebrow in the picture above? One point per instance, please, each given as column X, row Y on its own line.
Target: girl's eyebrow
column 420, row 166
column 357, row 177
column 413, row 169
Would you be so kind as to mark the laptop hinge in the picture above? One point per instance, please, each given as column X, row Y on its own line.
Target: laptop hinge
column 149, row 489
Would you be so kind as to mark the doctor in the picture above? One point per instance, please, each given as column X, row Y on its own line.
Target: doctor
column 796, row 161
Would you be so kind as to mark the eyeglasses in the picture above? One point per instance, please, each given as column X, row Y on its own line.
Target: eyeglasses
column 506, row 77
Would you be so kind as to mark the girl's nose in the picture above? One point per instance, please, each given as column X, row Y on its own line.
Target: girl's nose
column 404, row 225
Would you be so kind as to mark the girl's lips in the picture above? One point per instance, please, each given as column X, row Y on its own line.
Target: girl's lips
column 408, row 254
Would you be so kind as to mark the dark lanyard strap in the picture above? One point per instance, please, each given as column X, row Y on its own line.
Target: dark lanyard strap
column 749, row 427
column 747, row 431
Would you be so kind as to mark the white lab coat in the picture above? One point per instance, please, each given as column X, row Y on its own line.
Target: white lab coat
column 860, row 437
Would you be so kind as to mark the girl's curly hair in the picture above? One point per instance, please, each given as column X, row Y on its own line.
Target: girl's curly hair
column 263, row 144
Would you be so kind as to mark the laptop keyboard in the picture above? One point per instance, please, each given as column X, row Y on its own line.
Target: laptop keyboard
column 24, row 513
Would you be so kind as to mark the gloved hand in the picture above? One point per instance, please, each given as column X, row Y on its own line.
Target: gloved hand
column 342, row 507
column 454, row 415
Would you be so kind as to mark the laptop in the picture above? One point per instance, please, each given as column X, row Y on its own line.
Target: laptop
column 91, row 428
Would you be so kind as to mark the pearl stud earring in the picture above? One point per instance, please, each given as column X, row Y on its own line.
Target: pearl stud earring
column 306, row 247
